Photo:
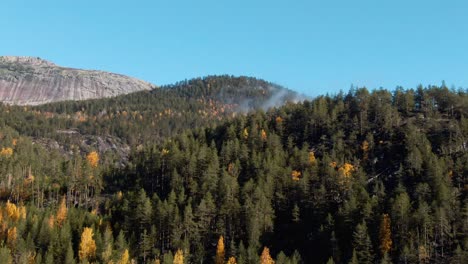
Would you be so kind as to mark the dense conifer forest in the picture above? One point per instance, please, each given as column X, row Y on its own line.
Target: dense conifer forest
column 212, row 174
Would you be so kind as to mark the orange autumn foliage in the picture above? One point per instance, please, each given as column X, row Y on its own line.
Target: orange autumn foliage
column 232, row 260
column 264, row 135
column 14, row 212
column 365, row 149
column 385, row 234
column 265, row 258
column 312, row 158
column 6, row 152
column 93, row 159
column 346, row 170
column 220, row 251
column 62, row 212
column 295, row 175
column 11, row 237
column 51, row 221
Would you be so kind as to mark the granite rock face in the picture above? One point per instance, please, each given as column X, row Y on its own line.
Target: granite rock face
column 33, row 81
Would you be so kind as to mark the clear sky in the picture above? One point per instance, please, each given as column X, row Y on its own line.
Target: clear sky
column 313, row 47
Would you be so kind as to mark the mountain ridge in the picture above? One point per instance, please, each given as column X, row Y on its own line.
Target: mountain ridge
column 33, row 81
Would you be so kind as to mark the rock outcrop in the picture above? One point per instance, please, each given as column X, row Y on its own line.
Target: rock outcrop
column 33, row 81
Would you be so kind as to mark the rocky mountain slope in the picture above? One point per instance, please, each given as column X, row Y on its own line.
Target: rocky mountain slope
column 33, row 81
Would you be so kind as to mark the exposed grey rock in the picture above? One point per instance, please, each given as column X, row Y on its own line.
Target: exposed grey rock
column 33, row 81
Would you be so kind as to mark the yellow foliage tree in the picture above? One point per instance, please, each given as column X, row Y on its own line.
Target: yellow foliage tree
column 295, row 175
column 365, row 149
column 232, row 260
column 125, row 258
column 385, row 234
column 312, row 158
column 346, row 170
column 62, row 212
column 246, row 133
column 220, row 251
column 93, row 159
column 87, row 245
column 51, row 221
column 11, row 238
column 12, row 211
column 264, row 135
column 423, row 255
column 265, row 258
column 179, row 257
column 6, row 152
column 119, row 195
column 164, row 152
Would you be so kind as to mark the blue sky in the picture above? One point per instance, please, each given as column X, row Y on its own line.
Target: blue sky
column 314, row 47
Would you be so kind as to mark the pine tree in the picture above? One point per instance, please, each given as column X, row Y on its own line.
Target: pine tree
column 120, row 243
column 49, row 256
column 459, row 256
column 354, row 258
column 362, row 244
column 5, row 255
column 145, row 245
column 69, row 256
column 242, row 257
column 296, row 214
column 108, row 242
column 386, row 259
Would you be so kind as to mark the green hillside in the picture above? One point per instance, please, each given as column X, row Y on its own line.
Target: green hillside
column 143, row 117
column 362, row 177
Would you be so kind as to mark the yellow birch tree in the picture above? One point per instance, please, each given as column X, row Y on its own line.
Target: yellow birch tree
column 87, row 245
column 179, row 257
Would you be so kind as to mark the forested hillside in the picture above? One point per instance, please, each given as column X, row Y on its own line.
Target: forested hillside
column 118, row 123
column 361, row 177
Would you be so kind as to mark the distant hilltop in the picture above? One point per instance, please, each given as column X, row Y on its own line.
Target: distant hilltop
column 33, row 81
column 26, row 60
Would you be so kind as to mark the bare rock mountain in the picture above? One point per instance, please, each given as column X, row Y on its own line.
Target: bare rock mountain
column 33, row 81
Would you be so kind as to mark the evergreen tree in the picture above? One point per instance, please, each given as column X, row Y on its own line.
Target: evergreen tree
column 362, row 244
